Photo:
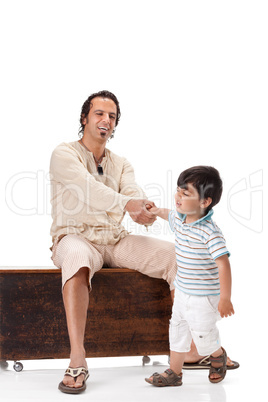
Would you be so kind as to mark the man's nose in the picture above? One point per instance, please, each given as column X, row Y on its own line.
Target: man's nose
column 106, row 118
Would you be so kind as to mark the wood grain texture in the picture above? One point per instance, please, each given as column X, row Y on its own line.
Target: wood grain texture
column 128, row 315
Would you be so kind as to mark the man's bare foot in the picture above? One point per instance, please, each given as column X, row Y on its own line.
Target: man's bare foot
column 229, row 362
column 74, row 363
column 194, row 357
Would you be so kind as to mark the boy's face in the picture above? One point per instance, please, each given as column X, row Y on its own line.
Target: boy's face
column 188, row 203
column 187, row 200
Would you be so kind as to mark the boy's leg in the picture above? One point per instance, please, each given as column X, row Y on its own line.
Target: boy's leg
column 179, row 338
column 202, row 317
column 176, row 363
column 218, row 364
column 155, row 258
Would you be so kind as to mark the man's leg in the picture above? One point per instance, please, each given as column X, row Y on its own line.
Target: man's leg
column 79, row 260
column 153, row 257
column 76, row 299
column 193, row 356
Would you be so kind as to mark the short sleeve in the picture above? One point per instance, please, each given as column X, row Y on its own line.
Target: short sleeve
column 216, row 245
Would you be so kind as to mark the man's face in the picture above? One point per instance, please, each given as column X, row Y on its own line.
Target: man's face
column 101, row 119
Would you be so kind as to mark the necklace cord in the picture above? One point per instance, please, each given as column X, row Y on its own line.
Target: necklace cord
column 98, row 161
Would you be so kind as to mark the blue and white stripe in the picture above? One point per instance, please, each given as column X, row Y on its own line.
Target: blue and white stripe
column 197, row 246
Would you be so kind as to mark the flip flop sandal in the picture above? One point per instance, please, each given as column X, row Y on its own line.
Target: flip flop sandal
column 221, row 371
column 74, row 372
column 160, row 381
column 204, row 363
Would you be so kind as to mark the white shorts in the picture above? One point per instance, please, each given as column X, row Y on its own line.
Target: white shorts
column 194, row 318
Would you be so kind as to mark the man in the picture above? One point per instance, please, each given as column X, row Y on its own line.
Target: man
column 92, row 188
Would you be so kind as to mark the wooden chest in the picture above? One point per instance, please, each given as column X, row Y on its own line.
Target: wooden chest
column 128, row 315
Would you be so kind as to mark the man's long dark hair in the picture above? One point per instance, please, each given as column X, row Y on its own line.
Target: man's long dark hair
column 88, row 103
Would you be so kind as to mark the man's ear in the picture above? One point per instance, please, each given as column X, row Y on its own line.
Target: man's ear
column 205, row 202
column 84, row 119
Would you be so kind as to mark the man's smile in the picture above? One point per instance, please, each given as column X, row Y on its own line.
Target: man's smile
column 103, row 130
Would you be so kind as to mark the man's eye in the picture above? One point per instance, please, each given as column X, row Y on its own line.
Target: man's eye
column 112, row 117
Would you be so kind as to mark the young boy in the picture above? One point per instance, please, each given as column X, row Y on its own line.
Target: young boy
column 203, row 280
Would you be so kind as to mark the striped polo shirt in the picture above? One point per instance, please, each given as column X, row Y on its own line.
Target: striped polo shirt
column 197, row 246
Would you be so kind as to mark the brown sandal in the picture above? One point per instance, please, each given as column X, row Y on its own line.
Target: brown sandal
column 160, row 381
column 204, row 363
column 221, row 370
column 74, row 372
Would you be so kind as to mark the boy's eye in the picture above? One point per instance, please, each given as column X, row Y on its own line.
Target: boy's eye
column 183, row 192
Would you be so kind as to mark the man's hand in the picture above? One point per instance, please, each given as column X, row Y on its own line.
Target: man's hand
column 225, row 307
column 152, row 209
column 139, row 211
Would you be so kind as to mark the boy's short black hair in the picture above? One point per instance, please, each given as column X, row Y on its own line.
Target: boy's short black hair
column 206, row 180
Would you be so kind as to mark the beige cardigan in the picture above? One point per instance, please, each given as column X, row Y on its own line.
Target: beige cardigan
column 86, row 203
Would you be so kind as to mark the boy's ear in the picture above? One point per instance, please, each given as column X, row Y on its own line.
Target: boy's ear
column 206, row 202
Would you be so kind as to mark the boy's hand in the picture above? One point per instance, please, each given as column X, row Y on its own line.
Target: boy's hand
column 225, row 307
column 161, row 212
column 153, row 209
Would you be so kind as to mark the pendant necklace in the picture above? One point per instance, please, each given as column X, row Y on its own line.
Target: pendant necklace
column 99, row 167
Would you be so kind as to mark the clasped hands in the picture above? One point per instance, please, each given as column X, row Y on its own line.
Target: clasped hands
column 139, row 211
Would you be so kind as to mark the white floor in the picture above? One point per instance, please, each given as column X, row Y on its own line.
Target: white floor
column 122, row 379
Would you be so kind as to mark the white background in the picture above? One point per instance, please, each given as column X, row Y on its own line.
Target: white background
column 191, row 79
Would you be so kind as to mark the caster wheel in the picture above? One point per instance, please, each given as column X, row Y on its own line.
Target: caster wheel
column 145, row 360
column 18, row 366
column 3, row 365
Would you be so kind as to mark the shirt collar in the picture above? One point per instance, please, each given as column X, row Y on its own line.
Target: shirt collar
column 204, row 218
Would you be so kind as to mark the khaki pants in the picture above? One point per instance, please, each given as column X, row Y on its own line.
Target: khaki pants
column 150, row 256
